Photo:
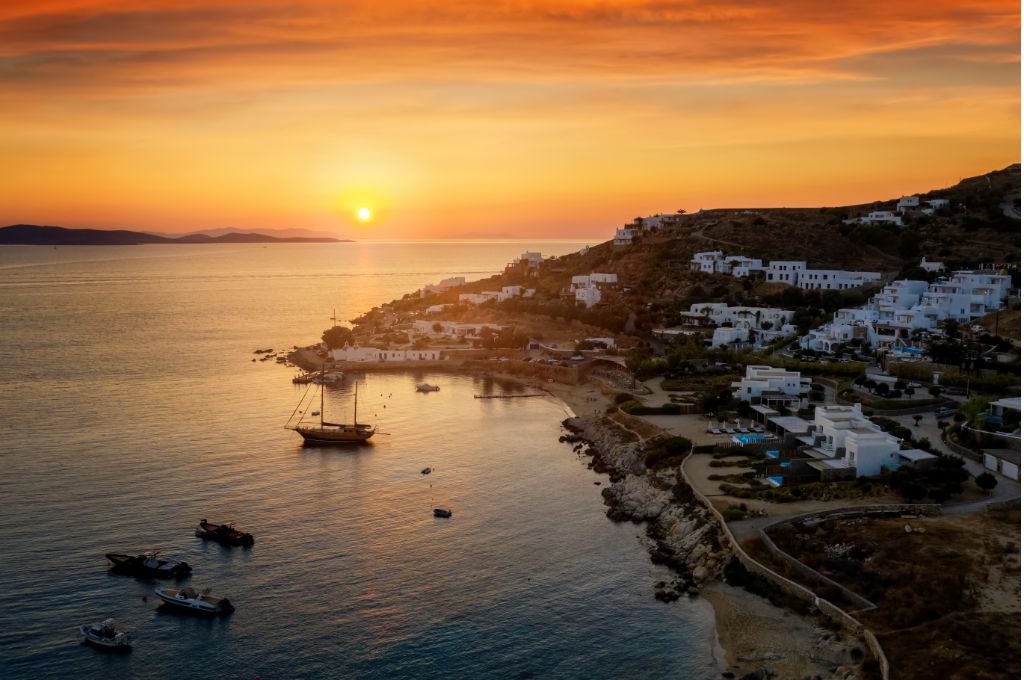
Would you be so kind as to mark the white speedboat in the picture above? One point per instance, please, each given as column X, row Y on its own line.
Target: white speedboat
column 426, row 387
column 105, row 634
column 188, row 598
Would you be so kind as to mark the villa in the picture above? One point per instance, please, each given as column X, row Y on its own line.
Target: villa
column 839, row 444
column 368, row 354
column 740, row 324
column 624, row 236
column 882, row 217
column 768, row 385
column 586, row 288
column 443, row 286
column 903, row 307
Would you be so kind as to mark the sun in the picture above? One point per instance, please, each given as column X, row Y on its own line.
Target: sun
column 364, row 214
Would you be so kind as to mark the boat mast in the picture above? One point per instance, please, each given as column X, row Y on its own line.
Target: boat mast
column 355, row 407
column 321, row 396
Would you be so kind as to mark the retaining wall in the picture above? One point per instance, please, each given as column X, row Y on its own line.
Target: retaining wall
column 833, row 612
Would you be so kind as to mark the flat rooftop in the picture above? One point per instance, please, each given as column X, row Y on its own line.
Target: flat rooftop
column 915, row 455
column 791, row 424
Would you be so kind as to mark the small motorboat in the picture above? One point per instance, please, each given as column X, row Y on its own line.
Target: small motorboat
column 426, row 387
column 202, row 602
column 223, row 533
column 105, row 634
column 327, row 378
column 442, row 512
column 148, row 564
column 426, row 471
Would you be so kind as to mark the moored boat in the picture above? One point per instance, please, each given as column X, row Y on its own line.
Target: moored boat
column 426, row 387
column 148, row 564
column 105, row 634
column 442, row 512
column 200, row 602
column 325, row 432
column 223, row 533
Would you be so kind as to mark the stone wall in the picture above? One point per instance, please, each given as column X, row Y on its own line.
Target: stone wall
column 831, row 611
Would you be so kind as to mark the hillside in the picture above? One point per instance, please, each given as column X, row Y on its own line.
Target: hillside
column 657, row 282
column 30, row 234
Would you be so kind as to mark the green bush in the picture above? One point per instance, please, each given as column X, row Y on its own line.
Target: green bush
column 666, row 451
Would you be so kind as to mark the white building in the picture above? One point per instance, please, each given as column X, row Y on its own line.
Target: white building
column 436, row 309
column 784, row 271
column 589, row 295
column 905, row 306
column 938, row 203
column 834, row 279
column 845, row 434
column 882, row 217
column 768, row 385
column 624, row 236
column 931, row 266
column 716, row 262
column 453, row 329
column 586, row 288
column 908, row 203
column 445, row 285
column 706, row 262
column 757, row 325
column 368, row 354
column 479, row 298
column 509, row 292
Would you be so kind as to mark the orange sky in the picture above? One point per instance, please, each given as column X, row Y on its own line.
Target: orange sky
column 528, row 118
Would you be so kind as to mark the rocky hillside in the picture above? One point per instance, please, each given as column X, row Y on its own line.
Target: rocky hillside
column 981, row 226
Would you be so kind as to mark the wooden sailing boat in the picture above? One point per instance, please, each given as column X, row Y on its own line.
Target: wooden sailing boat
column 335, row 433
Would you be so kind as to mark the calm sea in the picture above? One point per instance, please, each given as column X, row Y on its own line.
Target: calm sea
column 130, row 408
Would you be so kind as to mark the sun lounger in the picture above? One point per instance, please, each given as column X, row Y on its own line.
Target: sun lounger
column 729, row 430
column 715, row 430
column 744, row 430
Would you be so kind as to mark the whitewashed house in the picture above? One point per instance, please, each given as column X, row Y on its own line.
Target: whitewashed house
column 784, row 271
column 443, row 286
column 834, row 279
column 848, row 438
column 479, row 298
column 882, row 217
column 624, row 236
column 376, row 354
column 931, row 266
column 770, row 385
column 902, row 307
column 908, row 203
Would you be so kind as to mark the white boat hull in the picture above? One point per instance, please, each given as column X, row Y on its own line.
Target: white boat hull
column 195, row 604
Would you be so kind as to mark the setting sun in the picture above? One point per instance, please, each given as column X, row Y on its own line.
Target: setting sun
column 364, row 214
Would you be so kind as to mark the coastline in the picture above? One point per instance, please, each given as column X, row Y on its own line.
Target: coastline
column 753, row 638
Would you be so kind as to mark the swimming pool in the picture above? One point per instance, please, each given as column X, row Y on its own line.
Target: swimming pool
column 751, row 438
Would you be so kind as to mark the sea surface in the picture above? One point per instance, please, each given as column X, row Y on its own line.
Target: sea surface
column 130, row 408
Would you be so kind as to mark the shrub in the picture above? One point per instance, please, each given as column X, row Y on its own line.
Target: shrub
column 986, row 481
column 665, row 452
column 623, row 397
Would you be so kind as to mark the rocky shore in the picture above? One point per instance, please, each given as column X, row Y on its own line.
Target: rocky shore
column 684, row 534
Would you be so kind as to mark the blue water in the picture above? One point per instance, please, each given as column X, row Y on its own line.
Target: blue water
column 131, row 408
column 751, row 438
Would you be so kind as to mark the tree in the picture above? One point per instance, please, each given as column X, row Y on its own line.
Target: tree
column 337, row 337
column 437, row 327
column 935, row 391
column 917, row 420
column 986, row 481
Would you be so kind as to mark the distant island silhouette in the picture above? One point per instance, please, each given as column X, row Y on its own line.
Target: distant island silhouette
column 35, row 235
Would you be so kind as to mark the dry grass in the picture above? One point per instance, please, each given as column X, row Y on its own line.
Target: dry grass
column 948, row 599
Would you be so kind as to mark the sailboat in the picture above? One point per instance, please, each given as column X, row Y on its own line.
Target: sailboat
column 333, row 433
